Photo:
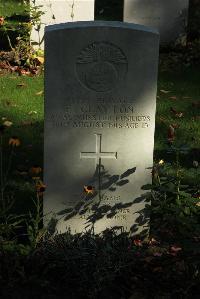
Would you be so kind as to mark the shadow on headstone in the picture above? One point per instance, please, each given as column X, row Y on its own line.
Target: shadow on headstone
column 92, row 203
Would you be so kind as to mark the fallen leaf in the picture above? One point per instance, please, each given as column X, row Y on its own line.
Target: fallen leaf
column 35, row 170
column 14, row 68
column 157, row 254
column 162, row 119
column 137, row 242
column 174, row 250
column 176, row 113
column 39, row 93
column 88, row 189
column 157, row 269
column 2, row 21
column 40, row 59
column 173, row 98
column 161, row 162
column 27, row 123
column 171, row 133
column 175, row 126
column 35, row 71
column 165, row 91
column 23, row 72
column 9, row 103
column 196, row 104
column 21, row 85
column 153, row 241
column 7, row 123
column 32, row 112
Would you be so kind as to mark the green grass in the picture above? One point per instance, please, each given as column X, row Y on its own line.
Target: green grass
column 21, row 105
column 183, row 87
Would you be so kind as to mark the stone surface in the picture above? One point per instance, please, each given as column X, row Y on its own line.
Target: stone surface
column 61, row 11
column 169, row 17
column 100, row 101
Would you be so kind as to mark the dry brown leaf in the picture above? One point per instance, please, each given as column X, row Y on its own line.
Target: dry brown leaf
column 27, row 123
column 157, row 269
column 23, row 72
column 9, row 103
column 196, row 104
column 2, row 20
column 162, row 119
column 40, row 59
column 171, row 133
column 176, row 113
column 21, row 85
column 173, row 98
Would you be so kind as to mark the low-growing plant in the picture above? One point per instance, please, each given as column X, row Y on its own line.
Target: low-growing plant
column 34, row 223
column 175, row 209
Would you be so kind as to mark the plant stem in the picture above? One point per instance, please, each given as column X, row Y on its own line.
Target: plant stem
column 9, row 41
column 177, row 174
column 158, row 178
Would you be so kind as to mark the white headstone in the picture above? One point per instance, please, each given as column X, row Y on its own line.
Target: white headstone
column 169, row 17
column 60, row 11
column 100, row 102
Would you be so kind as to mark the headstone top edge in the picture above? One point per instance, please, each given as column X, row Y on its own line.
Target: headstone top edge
column 89, row 24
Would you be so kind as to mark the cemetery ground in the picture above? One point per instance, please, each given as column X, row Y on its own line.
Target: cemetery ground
column 166, row 263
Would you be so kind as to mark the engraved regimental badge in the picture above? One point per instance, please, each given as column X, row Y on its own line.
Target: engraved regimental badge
column 101, row 66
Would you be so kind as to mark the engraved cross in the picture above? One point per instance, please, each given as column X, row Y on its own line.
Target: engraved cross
column 98, row 154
